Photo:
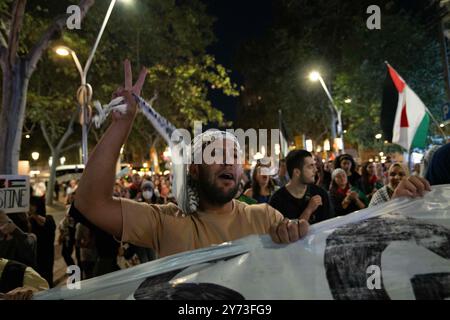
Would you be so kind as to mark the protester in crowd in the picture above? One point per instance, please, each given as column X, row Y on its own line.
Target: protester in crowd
column 427, row 159
column 70, row 191
column 66, row 238
column 241, row 196
column 345, row 197
column 387, row 164
column 44, row 227
column 135, row 186
column 318, row 178
column 56, row 190
column 147, row 192
column 209, row 216
column 19, row 281
column 263, row 186
column 39, row 188
column 369, row 180
column 439, row 169
column 397, row 172
column 16, row 244
column 416, row 170
column 300, row 198
column 348, row 164
column 282, row 177
column 328, row 168
column 84, row 238
column 164, row 190
column 146, row 195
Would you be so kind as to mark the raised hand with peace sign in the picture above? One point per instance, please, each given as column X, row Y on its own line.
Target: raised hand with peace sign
column 94, row 196
column 128, row 90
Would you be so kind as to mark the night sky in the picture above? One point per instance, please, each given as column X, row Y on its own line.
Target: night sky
column 237, row 22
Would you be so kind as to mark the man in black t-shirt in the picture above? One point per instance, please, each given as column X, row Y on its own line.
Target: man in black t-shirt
column 300, row 198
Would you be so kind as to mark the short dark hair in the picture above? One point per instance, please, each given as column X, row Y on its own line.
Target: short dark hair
column 295, row 160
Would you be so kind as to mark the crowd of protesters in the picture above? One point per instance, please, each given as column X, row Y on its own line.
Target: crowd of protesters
column 304, row 187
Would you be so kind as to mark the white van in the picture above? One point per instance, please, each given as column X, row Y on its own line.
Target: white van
column 69, row 172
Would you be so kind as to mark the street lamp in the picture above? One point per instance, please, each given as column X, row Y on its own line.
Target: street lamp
column 84, row 93
column 35, row 156
column 335, row 112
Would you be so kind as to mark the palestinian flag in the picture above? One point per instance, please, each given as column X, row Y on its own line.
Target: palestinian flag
column 404, row 117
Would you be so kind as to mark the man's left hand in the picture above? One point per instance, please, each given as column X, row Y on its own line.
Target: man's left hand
column 288, row 231
column 412, row 187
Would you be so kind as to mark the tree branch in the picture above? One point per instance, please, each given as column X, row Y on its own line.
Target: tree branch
column 46, row 137
column 16, row 26
column 68, row 132
column 52, row 128
column 3, row 35
column 73, row 145
column 57, row 26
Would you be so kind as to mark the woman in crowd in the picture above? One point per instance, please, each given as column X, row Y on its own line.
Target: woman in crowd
column 262, row 185
column 369, row 180
column 348, row 164
column 345, row 197
column 395, row 175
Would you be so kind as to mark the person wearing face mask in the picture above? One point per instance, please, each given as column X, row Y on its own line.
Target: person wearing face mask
column 396, row 174
column 147, row 192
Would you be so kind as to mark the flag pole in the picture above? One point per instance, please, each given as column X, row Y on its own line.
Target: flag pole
column 436, row 123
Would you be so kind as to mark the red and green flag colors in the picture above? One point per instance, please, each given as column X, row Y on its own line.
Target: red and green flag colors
column 404, row 117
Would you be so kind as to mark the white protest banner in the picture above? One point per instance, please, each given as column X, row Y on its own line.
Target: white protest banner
column 398, row 250
column 14, row 193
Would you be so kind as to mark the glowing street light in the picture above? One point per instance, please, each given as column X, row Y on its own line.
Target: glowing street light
column 314, row 76
column 335, row 112
column 35, row 156
column 62, row 51
column 378, row 136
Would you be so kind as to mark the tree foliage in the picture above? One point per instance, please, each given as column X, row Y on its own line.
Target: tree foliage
column 332, row 38
column 168, row 37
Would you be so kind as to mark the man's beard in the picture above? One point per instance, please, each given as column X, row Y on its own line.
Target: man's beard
column 304, row 180
column 214, row 194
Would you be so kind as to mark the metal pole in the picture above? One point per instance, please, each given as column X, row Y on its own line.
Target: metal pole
column 86, row 93
column 336, row 114
column 105, row 21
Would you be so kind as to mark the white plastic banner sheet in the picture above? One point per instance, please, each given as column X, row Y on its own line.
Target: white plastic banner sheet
column 398, row 250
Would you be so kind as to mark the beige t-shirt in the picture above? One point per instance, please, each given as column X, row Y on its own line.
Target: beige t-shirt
column 167, row 230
